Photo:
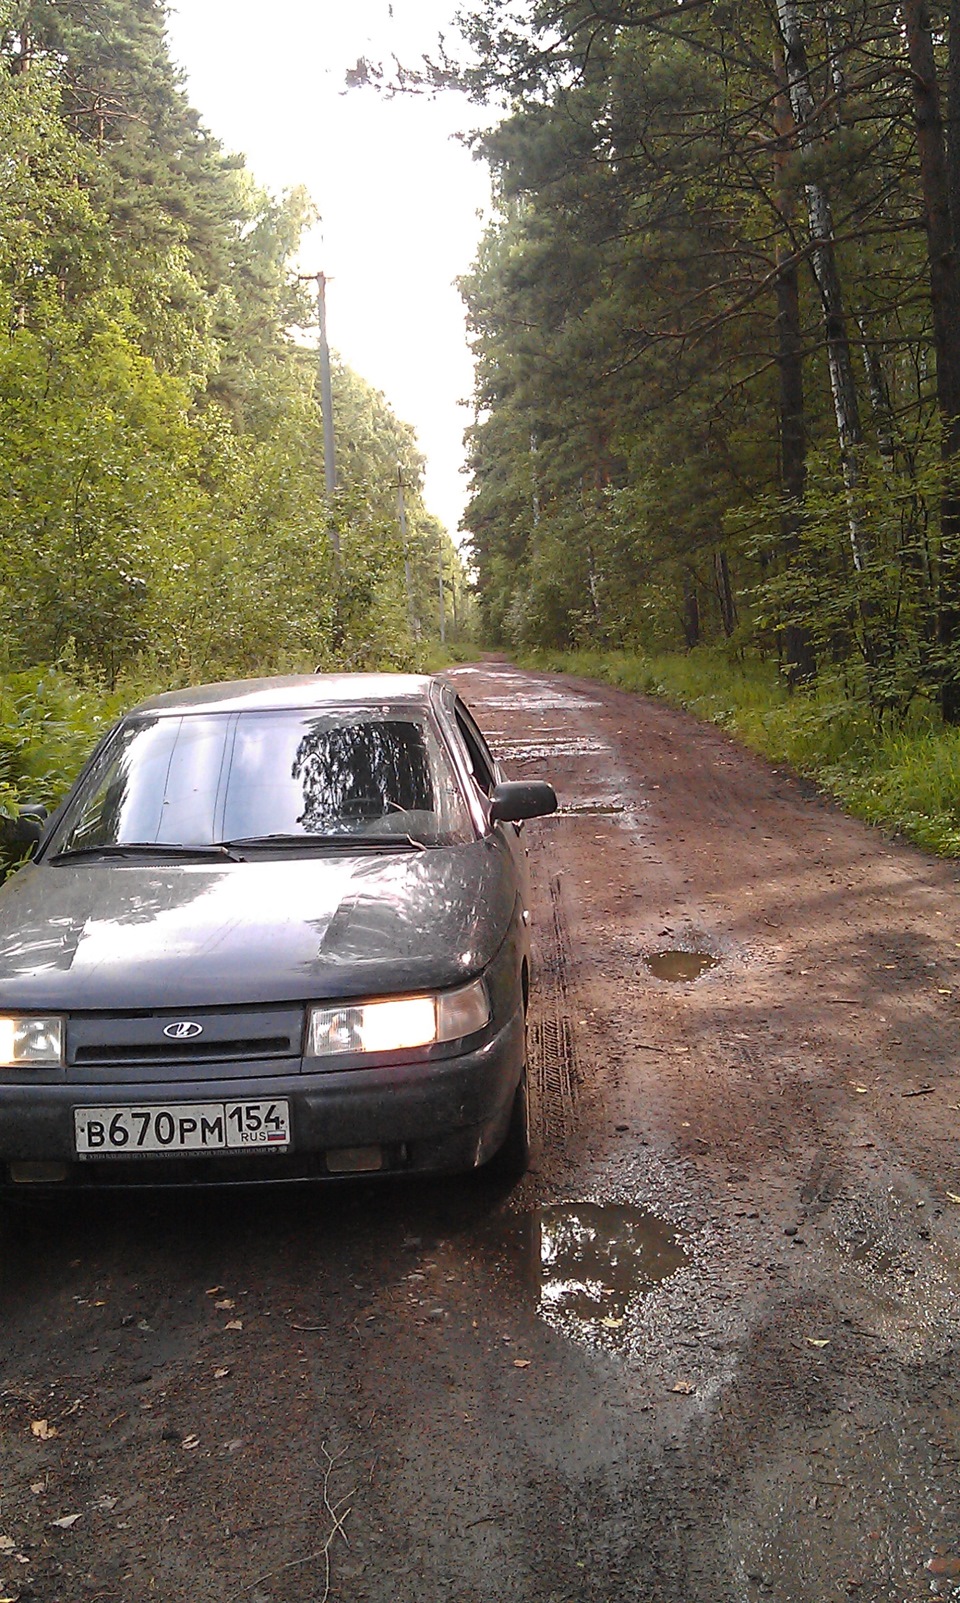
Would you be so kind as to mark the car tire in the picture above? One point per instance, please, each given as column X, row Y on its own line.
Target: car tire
column 512, row 1159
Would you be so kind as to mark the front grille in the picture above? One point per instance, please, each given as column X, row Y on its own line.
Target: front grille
column 270, row 1046
column 120, row 1044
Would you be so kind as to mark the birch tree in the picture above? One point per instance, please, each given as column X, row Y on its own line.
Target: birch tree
column 823, row 260
column 943, row 236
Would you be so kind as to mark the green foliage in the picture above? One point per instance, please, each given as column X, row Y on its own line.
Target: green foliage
column 163, row 503
column 96, row 443
column 164, row 508
column 48, row 723
column 875, row 623
column 662, row 457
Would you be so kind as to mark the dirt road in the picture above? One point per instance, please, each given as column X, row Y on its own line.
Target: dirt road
column 706, row 1352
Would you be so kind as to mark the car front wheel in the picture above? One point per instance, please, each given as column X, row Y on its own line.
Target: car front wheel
column 513, row 1157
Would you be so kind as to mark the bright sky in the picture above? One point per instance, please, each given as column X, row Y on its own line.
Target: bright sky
column 398, row 195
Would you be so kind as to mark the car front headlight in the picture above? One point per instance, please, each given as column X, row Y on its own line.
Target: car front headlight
column 30, row 1043
column 399, row 1023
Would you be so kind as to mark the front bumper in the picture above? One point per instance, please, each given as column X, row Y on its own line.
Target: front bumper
column 440, row 1116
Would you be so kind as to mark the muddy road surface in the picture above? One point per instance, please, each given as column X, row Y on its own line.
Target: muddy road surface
column 706, row 1352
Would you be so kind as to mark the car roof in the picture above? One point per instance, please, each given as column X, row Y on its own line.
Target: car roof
column 298, row 690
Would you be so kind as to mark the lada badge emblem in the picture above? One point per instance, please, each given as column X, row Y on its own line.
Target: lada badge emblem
column 183, row 1031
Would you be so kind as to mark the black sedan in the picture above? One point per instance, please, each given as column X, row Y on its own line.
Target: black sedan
column 277, row 930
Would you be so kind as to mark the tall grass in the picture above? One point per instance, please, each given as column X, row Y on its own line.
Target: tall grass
column 49, row 721
column 906, row 779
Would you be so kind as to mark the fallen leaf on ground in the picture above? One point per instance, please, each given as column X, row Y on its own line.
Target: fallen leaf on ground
column 37, row 1487
column 67, row 1521
column 686, row 1388
column 233, row 1324
column 611, row 1324
column 7, row 1544
column 225, row 1302
column 211, row 1291
column 221, row 1373
column 189, row 1443
column 816, row 1341
column 43, row 1430
column 952, row 1196
column 521, row 1363
column 945, row 1564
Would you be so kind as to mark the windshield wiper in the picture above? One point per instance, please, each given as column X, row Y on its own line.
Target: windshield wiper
column 338, row 843
column 143, row 848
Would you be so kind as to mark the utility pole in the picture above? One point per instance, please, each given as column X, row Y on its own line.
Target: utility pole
column 402, row 512
column 326, row 403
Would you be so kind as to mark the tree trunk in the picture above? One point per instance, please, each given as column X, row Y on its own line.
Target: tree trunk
column 953, row 117
column 945, row 305
column 801, row 663
column 824, row 262
column 728, row 606
column 22, row 59
column 691, row 612
column 883, row 419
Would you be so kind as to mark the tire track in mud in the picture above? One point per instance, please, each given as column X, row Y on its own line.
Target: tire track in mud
column 553, row 1062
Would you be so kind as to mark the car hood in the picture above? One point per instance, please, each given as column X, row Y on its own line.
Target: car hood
column 97, row 935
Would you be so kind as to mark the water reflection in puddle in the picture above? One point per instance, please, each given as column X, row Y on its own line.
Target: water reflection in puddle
column 584, row 1262
column 680, row 965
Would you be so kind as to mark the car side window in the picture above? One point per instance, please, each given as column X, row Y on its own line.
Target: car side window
column 478, row 752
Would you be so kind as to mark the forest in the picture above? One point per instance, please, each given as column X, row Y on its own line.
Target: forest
column 716, row 323
column 717, row 329
column 163, row 501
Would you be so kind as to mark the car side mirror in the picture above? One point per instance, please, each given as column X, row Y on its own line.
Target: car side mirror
column 510, row 803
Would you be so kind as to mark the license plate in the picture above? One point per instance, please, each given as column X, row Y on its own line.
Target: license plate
column 131, row 1131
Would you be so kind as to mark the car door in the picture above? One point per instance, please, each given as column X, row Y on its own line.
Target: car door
column 486, row 773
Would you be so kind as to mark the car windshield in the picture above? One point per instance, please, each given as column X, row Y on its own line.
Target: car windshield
column 202, row 778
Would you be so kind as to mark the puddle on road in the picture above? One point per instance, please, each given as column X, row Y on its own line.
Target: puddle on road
column 583, row 1263
column 592, row 809
column 524, row 751
column 683, row 966
column 534, row 700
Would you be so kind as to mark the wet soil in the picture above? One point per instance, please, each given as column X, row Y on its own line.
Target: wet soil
column 707, row 1351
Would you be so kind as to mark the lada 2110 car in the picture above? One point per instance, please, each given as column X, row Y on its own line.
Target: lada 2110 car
column 277, row 930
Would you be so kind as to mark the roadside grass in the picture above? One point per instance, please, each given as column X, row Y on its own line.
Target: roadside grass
column 49, row 721
column 431, row 657
column 906, row 780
